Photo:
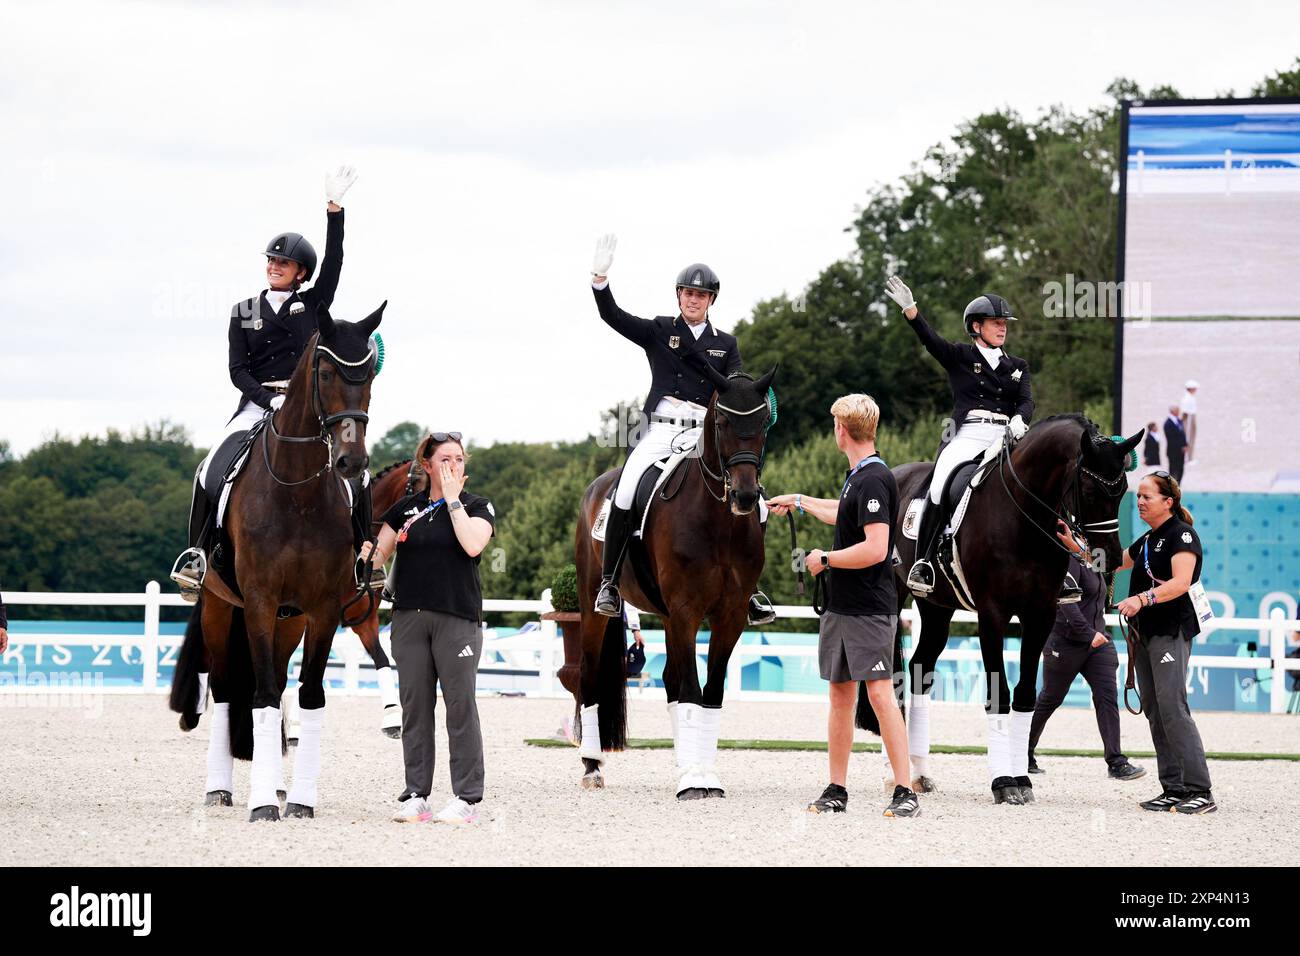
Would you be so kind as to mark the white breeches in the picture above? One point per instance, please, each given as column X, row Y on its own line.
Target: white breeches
column 247, row 416
column 971, row 439
column 659, row 441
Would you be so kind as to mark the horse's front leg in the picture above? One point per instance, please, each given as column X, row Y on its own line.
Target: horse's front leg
column 726, row 626
column 390, row 721
column 301, row 801
column 997, row 705
column 267, row 774
column 691, row 722
column 1035, row 626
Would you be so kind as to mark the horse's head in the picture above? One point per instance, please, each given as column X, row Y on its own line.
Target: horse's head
column 1100, row 485
column 736, row 428
column 343, row 364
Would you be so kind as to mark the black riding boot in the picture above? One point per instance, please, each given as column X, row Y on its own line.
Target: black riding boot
column 192, row 564
column 921, row 578
column 618, row 531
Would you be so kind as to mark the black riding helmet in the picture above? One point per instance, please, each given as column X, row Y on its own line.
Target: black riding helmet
column 292, row 246
column 987, row 306
column 699, row 276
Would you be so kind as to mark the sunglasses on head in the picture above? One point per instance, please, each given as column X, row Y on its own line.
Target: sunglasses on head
column 435, row 439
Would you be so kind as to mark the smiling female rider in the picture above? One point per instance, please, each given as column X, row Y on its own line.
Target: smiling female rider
column 1166, row 564
column 438, row 535
column 267, row 336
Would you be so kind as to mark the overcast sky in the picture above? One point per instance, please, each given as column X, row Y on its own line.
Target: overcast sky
column 151, row 150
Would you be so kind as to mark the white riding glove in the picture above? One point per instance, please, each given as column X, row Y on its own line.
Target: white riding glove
column 276, row 402
column 604, row 256
column 900, row 293
column 338, row 182
column 1017, row 427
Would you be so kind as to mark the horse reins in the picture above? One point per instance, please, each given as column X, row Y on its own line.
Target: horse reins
column 1109, row 526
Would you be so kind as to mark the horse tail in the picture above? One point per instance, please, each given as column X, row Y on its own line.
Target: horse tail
column 239, row 687
column 865, row 718
column 611, row 687
column 184, row 698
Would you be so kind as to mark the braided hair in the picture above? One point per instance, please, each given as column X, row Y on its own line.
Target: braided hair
column 1169, row 488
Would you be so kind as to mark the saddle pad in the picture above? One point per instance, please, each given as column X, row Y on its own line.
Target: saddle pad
column 912, row 517
column 666, row 467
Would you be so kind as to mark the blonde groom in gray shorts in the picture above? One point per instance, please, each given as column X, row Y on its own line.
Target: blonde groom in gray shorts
column 857, row 629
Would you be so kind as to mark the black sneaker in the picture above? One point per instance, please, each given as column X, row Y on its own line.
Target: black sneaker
column 1126, row 771
column 904, row 804
column 834, row 799
column 1165, row 802
column 1201, row 801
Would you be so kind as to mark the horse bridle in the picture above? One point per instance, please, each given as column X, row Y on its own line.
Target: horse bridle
column 742, row 457
column 1074, row 490
column 326, row 421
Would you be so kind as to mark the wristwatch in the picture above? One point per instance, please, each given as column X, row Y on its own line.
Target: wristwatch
column 826, row 559
column 454, row 505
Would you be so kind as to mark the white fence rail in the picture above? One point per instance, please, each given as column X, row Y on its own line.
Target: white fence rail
column 543, row 651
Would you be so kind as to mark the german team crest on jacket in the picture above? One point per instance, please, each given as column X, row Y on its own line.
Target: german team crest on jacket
column 674, row 341
column 1015, row 376
column 257, row 325
column 978, row 368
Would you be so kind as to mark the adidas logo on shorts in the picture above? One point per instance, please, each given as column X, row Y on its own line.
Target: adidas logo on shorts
column 880, row 666
column 466, row 651
column 1167, row 659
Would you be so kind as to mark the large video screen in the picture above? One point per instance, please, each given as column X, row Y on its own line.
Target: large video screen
column 1209, row 347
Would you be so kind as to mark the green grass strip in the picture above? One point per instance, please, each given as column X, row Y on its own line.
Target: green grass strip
column 802, row 746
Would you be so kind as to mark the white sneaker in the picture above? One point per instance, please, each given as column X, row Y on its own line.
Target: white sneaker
column 413, row 810
column 458, row 811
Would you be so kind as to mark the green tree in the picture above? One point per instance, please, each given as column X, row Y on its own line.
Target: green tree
column 397, row 444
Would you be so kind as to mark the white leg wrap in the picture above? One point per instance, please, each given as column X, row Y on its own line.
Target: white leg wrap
column 267, row 771
column 306, row 762
column 672, row 720
column 999, row 746
column 1019, row 742
column 690, row 727
column 202, row 705
column 711, row 721
column 918, row 733
column 590, row 747
column 220, row 762
column 387, row 686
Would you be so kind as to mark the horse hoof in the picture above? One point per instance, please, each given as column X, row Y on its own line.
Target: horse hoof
column 924, row 784
column 259, row 814
column 1026, row 789
column 218, row 798
column 299, row 810
column 188, row 722
column 1009, row 795
column 593, row 781
column 394, row 733
column 693, row 793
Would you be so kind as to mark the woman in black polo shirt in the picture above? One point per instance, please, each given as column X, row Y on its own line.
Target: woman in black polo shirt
column 438, row 535
column 1166, row 565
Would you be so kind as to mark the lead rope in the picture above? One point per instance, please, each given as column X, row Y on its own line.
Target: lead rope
column 794, row 547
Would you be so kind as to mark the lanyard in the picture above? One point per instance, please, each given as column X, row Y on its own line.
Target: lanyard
column 429, row 509
column 857, row 468
column 1147, row 564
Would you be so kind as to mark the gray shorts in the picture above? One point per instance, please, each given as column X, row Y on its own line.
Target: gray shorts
column 856, row 646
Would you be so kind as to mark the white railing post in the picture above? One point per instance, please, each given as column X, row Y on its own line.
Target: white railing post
column 1277, row 651
column 546, row 656
column 1141, row 164
column 149, row 650
column 1227, row 171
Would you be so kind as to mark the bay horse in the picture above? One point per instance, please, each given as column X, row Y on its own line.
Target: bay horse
column 289, row 522
column 1061, row 470
column 701, row 556
column 389, row 486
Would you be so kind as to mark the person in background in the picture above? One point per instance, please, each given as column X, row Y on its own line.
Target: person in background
column 1151, row 449
column 1175, row 442
column 1188, row 408
column 1079, row 645
column 635, row 653
column 4, row 627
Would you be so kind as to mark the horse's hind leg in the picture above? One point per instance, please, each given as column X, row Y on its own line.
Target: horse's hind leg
column 301, row 801
column 726, row 628
column 936, row 622
column 219, row 788
column 267, row 773
column 390, row 721
column 588, row 698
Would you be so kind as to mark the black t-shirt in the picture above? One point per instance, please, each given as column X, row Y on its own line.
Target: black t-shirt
column 1162, row 543
column 870, row 496
column 433, row 572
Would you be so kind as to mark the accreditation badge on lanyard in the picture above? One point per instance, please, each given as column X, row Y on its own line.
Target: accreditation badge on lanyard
column 429, row 509
column 1200, row 600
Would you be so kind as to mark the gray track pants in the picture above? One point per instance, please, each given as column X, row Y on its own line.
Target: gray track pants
column 431, row 648
column 1161, row 663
